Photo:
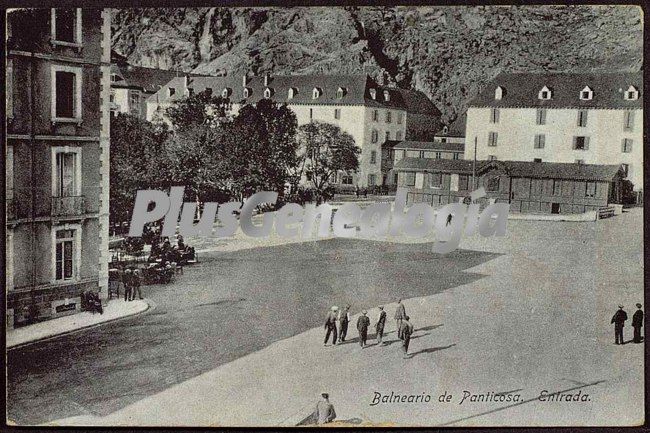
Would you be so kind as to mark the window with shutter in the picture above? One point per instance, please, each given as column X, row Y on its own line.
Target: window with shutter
column 373, row 156
column 463, row 182
column 410, row 179
column 375, row 115
column 494, row 115
column 582, row 118
column 590, row 189
column 541, row 116
column 628, row 120
column 581, row 143
column 540, row 141
column 435, row 180
column 627, row 145
column 374, row 136
column 492, row 139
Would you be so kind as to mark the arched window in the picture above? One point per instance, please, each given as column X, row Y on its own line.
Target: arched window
column 292, row 93
column 268, row 92
column 586, row 94
column 247, row 92
column 631, row 94
column 545, row 94
column 373, row 93
column 340, row 93
column 226, row 92
column 498, row 93
column 316, row 93
column 386, row 95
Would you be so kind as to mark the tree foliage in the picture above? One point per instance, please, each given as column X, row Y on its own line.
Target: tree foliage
column 324, row 150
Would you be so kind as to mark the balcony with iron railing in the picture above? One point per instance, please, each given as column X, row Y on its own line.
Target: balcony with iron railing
column 68, row 206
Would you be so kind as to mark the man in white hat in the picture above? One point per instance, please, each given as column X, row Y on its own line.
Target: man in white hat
column 330, row 325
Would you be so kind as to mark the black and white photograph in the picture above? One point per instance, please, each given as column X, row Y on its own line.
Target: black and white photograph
column 331, row 215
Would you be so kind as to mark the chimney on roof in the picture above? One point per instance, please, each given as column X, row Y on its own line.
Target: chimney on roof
column 244, row 81
column 266, row 80
column 185, row 81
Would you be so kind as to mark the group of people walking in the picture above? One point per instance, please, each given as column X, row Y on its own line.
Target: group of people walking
column 132, row 280
column 342, row 317
column 619, row 319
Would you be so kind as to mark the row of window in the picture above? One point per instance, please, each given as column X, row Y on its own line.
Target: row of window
column 425, row 154
column 374, row 136
column 388, row 117
column 579, row 142
column 586, row 94
column 628, row 118
column 268, row 92
column 493, row 184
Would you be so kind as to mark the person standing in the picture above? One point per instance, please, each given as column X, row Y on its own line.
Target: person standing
column 637, row 323
column 400, row 314
column 363, row 322
column 128, row 279
column 325, row 410
column 379, row 327
column 330, row 325
column 344, row 320
column 618, row 320
column 136, row 281
column 407, row 331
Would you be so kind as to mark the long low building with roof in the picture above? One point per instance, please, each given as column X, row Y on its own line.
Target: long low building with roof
column 591, row 118
column 529, row 187
column 371, row 113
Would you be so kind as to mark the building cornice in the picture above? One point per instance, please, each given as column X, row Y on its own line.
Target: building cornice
column 555, row 108
column 56, row 58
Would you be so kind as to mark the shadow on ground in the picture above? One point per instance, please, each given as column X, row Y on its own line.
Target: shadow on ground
column 226, row 306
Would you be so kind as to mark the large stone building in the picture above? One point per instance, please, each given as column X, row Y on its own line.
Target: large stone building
column 57, row 156
column 561, row 117
column 369, row 112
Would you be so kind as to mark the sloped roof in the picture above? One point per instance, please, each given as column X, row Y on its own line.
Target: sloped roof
column 417, row 102
column 425, row 145
column 146, row 79
column 522, row 90
column 538, row 170
column 356, row 89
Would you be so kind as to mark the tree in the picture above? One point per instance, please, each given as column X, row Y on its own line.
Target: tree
column 199, row 109
column 136, row 161
column 324, row 151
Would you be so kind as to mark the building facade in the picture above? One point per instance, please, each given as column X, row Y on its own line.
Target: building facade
column 57, row 160
column 561, row 117
column 393, row 151
column 529, row 187
column 370, row 113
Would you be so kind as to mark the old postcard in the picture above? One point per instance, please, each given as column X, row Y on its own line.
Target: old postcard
column 336, row 216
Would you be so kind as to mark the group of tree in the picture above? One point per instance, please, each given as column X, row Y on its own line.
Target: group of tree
column 219, row 156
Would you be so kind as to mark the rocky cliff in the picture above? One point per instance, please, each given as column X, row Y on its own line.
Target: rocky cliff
column 447, row 52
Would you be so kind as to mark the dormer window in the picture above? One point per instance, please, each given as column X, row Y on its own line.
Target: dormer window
column 373, row 93
column 386, row 96
column 268, row 92
column 340, row 93
column 586, row 94
column 498, row 93
column 171, row 91
column 631, row 94
column 316, row 93
column 226, row 92
column 247, row 92
column 445, row 130
column 292, row 93
column 545, row 94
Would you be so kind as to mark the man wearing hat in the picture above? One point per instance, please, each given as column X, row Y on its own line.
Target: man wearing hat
column 363, row 322
column 330, row 325
column 637, row 323
column 127, row 279
column 379, row 327
column 618, row 320
column 344, row 320
column 325, row 410
column 405, row 335
column 400, row 313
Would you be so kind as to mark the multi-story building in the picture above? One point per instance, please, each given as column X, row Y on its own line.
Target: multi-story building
column 594, row 118
column 57, row 156
column 132, row 85
column 369, row 112
column 393, row 151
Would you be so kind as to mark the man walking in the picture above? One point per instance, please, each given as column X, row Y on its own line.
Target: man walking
column 136, row 281
column 362, row 326
column 127, row 279
column 344, row 320
column 400, row 314
column 637, row 323
column 618, row 320
column 325, row 410
column 379, row 327
column 330, row 325
column 407, row 331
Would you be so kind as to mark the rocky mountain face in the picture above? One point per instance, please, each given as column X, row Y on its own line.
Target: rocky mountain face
column 448, row 52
